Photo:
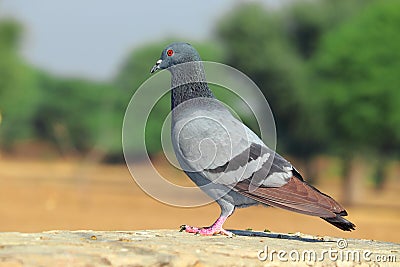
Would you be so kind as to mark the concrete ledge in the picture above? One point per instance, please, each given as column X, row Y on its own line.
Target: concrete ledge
column 174, row 248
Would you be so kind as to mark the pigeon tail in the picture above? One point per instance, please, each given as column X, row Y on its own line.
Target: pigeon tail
column 340, row 223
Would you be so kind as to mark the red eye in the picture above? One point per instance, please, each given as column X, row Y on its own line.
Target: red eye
column 170, row 52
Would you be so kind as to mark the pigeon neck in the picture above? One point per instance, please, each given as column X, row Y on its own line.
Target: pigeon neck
column 188, row 82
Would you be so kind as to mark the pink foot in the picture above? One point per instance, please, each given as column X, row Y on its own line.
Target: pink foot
column 206, row 231
column 216, row 228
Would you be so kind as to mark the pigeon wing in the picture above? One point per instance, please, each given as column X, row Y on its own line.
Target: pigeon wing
column 296, row 195
column 208, row 139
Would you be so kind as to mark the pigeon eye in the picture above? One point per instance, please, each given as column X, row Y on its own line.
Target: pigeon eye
column 170, row 52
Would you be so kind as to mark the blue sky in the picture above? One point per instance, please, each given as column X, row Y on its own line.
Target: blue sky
column 90, row 38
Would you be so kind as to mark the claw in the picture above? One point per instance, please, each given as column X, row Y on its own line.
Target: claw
column 227, row 233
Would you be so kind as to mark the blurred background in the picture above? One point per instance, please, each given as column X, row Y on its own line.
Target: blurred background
column 329, row 69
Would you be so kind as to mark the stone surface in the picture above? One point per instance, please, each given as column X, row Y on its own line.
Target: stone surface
column 174, row 248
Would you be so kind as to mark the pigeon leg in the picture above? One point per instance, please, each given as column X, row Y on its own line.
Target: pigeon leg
column 216, row 228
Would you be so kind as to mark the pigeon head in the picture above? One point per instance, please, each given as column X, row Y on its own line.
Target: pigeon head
column 174, row 54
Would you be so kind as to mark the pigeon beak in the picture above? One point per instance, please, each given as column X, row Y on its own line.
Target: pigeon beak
column 156, row 67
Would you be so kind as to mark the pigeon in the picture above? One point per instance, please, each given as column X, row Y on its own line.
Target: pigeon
column 225, row 158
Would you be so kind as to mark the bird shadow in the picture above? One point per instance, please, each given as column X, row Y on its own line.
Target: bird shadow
column 279, row 236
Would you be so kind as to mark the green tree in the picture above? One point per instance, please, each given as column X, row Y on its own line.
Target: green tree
column 19, row 92
column 306, row 22
column 357, row 70
column 78, row 115
column 356, row 73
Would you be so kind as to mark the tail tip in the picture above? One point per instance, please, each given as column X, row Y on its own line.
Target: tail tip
column 341, row 223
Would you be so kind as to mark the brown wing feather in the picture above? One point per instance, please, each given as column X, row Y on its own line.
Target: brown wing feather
column 296, row 195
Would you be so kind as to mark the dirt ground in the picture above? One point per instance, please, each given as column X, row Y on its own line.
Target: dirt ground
column 73, row 195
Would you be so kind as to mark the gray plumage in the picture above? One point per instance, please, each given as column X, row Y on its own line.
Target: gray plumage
column 224, row 157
